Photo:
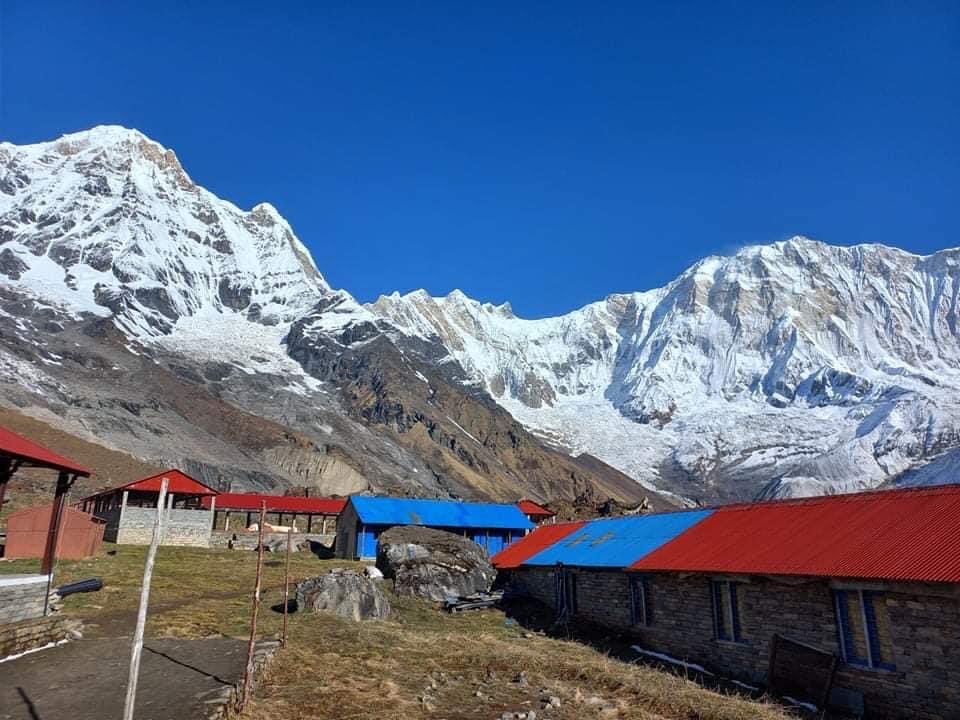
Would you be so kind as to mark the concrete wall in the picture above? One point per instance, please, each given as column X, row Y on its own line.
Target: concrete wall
column 22, row 597
column 180, row 527
column 924, row 628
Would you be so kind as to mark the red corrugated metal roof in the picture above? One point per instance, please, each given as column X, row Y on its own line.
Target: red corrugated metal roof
column 911, row 534
column 179, row 484
column 526, row 547
column 30, row 452
column 529, row 507
column 279, row 503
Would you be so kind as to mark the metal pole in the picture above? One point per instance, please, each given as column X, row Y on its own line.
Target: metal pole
column 144, row 602
column 248, row 673
column 286, row 589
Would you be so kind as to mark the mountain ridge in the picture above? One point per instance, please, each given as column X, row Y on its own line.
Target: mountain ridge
column 791, row 368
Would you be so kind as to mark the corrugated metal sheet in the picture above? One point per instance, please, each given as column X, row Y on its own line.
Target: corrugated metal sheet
column 179, row 484
column 35, row 454
column 536, row 541
column 617, row 542
column 893, row 535
column 529, row 507
column 278, row 503
column 27, row 531
column 437, row 513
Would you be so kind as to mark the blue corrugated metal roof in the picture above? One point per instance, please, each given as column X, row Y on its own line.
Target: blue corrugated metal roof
column 438, row 513
column 617, row 542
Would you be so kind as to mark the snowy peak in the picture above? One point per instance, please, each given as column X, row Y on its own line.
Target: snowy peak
column 107, row 221
column 801, row 365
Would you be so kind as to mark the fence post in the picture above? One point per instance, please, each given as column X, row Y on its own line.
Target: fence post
column 144, row 601
column 286, row 589
column 248, row 673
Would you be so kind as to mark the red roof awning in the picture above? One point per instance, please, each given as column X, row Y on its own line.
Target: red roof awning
column 30, row 453
column 279, row 503
column 529, row 507
column 910, row 535
column 178, row 483
column 516, row 553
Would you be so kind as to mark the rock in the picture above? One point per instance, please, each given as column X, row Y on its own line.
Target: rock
column 551, row 701
column 433, row 564
column 521, row 679
column 373, row 572
column 346, row 593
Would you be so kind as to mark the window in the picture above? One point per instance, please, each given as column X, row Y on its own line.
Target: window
column 725, row 595
column 641, row 606
column 863, row 626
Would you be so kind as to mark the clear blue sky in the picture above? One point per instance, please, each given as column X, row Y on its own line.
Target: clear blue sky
column 549, row 154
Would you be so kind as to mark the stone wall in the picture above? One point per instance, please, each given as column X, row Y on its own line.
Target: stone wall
column 22, row 597
column 180, row 527
column 27, row 635
column 924, row 624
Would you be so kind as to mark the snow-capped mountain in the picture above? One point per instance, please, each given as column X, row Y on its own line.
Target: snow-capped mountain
column 792, row 368
column 787, row 369
column 108, row 222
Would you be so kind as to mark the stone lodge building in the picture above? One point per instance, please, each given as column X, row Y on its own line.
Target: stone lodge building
column 853, row 600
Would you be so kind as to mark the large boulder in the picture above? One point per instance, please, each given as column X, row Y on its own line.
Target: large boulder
column 346, row 593
column 433, row 564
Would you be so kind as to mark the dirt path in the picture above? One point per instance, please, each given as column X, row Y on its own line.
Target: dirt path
column 86, row 680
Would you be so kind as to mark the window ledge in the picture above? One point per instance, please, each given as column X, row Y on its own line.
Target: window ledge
column 868, row 669
column 732, row 643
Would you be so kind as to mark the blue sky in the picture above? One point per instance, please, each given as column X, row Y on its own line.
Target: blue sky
column 542, row 153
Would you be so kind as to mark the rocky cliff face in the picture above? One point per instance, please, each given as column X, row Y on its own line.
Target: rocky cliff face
column 145, row 311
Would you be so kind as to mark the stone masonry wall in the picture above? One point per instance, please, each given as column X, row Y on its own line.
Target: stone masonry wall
column 924, row 622
column 31, row 634
column 22, row 598
column 180, row 527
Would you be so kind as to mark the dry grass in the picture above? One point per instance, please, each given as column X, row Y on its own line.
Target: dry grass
column 421, row 663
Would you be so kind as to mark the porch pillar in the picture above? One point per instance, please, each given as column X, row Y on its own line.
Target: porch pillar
column 6, row 472
column 64, row 481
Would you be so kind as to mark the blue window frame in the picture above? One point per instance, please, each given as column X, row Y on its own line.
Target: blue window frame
column 863, row 629
column 641, row 605
column 725, row 598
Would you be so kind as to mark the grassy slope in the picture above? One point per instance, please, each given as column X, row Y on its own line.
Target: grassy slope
column 419, row 664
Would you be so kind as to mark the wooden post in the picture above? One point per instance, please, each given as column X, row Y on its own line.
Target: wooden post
column 248, row 521
column 286, row 589
column 53, row 531
column 64, row 481
column 144, row 602
column 6, row 472
column 248, row 673
column 213, row 514
column 309, row 524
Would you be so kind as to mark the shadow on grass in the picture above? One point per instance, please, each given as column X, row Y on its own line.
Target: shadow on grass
column 538, row 617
